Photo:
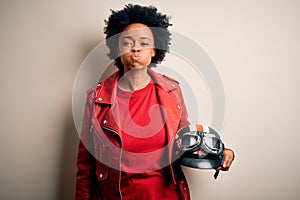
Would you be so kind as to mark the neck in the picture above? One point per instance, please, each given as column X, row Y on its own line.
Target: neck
column 134, row 79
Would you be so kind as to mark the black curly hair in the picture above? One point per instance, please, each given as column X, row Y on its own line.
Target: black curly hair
column 147, row 15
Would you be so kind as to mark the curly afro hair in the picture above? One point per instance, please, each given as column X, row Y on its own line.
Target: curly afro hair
column 147, row 15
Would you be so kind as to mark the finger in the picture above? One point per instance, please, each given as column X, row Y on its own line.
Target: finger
column 223, row 165
column 226, row 164
column 228, row 158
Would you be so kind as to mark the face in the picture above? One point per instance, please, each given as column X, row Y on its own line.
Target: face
column 136, row 47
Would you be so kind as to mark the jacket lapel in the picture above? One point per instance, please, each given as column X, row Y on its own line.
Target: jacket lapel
column 167, row 97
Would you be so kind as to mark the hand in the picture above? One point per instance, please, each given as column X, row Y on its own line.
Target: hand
column 228, row 158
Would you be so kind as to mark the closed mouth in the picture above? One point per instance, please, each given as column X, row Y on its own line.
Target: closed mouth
column 135, row 56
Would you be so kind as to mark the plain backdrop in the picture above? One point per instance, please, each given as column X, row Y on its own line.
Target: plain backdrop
column 255, row 46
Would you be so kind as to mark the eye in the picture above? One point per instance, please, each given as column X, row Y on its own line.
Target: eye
column 144, row 44
column 126, row 43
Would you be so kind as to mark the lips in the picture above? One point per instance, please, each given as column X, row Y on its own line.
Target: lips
column 135, row 56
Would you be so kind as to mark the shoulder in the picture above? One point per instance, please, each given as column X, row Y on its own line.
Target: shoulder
column 163, row 77
column 106, row 83
column 94, row 89
column 170, row 79
column 163, row 81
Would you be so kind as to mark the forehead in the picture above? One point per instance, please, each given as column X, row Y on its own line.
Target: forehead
column 137, row 31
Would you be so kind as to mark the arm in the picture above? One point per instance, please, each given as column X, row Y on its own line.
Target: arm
column 85, row 161
column 85, row 172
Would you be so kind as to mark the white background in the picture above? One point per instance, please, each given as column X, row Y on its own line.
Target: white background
column 255, row 46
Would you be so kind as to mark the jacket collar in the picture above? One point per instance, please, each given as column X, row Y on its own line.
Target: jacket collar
column 106, row 91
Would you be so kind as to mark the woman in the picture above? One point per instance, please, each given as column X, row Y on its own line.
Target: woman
column 126, row 148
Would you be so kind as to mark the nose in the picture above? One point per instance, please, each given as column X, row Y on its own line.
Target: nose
column 136, row 47
column 135, row 50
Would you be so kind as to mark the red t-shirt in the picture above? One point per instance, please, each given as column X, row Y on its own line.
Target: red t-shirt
column 144, row 146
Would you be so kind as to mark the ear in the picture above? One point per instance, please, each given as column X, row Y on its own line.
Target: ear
column 153, row 52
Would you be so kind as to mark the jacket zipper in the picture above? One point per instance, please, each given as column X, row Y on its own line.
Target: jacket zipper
column 120, row 158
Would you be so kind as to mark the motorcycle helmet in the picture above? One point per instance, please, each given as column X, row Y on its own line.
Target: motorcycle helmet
column 201, row 147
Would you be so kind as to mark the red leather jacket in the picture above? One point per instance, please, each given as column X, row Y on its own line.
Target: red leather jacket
column 101, row 141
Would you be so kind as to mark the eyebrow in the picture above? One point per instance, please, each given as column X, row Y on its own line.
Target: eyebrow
column 130, row 37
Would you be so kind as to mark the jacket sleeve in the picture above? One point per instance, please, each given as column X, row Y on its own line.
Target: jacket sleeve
column 85, row 161
column 181, row 180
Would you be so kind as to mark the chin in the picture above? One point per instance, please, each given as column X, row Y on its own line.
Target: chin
column 137, row 66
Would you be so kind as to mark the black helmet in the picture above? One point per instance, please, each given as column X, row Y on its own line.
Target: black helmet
column 201, row 146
